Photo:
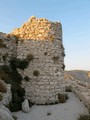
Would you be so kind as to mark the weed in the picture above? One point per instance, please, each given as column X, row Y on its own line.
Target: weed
column 62, row 97
column 48, row 113
column 1, row 97
column 84, row 117
column 36, row 73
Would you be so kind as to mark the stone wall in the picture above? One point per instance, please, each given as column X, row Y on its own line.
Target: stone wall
column 48, row 62
column 44, row 76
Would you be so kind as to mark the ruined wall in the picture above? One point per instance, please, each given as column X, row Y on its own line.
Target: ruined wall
column 40, row 43
column 38, row 29
column 44, row 76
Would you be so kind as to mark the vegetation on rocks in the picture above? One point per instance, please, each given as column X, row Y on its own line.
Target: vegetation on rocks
column 2, row 45
column 84, row 117
column 36, row 73
column 2, row 87
column 1, row 97
column 62, row 97
column 11, row 76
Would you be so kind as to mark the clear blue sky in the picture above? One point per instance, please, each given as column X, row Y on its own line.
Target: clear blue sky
column 73, row 14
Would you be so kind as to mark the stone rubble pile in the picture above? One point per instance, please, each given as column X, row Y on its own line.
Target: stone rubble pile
column 82, row 90
column 37, row 29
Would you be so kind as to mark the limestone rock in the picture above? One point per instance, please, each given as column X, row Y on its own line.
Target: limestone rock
column 5, row 114
column 25, row 106
column 7, row 96
column 37, row 29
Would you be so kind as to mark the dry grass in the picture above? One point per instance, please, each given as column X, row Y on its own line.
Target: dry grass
column 2, row 45
column 2, row 87
column 84, row 117
column 62, row 97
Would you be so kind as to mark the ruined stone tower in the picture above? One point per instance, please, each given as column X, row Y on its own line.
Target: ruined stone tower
column 40, row 41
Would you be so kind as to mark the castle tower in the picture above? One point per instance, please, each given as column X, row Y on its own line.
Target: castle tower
column 40, row 41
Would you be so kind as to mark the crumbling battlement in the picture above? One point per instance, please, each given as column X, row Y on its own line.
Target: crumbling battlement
column 38, row 29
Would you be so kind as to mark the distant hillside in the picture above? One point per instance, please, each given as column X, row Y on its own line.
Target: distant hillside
column 78, row 75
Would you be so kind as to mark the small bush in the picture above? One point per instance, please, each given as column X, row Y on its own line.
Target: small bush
column 36, row 73
column 17, row 63
column 48, row 113
column 1, row 97
column 5, row 57
column 26, row 78
column 14, row 78
column 62, row 97
column 63, row 54
column 45, row 53
column 22, row 64
column 30, row 57
column 2, row 88
column 31, row 103
column 84, row 117
column 5, row 68
column 2, row 45
column 13, row 107
column 20, row 92
column 63, row 66
column 14, row 117
column 68, row 89
column 55, row 58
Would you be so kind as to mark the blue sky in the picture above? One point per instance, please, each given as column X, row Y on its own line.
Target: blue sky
column 73, row 14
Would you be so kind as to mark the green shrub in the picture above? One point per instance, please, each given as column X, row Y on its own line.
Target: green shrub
column 17, row 99
column 1, row 97
column 30, row 57
column 20, row 92
column 45, row 53
column 62, row 97
column 22, row 64
column 55, row 58
column 36, row 73
column 5, row 57
column 14, row 78
column 5, row 68
column 63, row 54
column 17, row 63
column 2, row 88
column 13, row 107
column 68, row 89
column 2, row 45
column 49, row 113
column 63, row 66
column 14, row 117
column 84, row 117
column 26, row 78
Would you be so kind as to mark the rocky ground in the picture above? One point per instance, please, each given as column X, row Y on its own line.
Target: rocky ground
column 63, row 111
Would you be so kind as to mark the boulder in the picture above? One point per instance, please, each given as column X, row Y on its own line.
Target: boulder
column 5, row 114
column 25, row 106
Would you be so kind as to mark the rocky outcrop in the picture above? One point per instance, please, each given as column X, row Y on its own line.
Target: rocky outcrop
column 79, row 81
column 7, row 95
column 25, row 106
column 5, row 114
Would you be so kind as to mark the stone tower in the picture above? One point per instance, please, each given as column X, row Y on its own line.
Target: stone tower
column 40, row 41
